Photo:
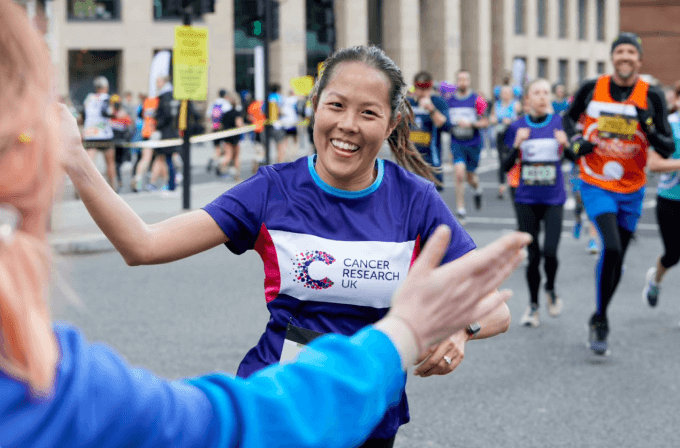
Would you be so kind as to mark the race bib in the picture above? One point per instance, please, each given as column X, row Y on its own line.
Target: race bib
column 421, row 138
column 616, row 126
column 539, row 174
column 296, row 339
column 462, row 133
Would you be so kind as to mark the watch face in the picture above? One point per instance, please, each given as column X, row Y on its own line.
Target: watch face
column 473, row 328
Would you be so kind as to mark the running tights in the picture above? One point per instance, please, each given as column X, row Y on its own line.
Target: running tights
column 529, row 217
column 668, row 217
column 615, row 241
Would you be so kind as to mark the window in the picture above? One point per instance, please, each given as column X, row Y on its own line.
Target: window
column 85, row 65
column 161, row 11
column 94, row 10
column 563, row 69
column 519, row 16
column 600, row 19
column 542, row 14
column 582, row 23
column 564, row 19
column 600, row 67
column 542, row 68
column 582, row 70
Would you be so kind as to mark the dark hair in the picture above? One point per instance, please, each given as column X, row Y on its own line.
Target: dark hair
column 222, row 92
column 423, row 76
column 275, row 88
column 404, row 151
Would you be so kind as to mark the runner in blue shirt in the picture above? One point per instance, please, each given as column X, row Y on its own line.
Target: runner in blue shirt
column 431, row 117
column 315, row 221
column 667, row 207
column 467, row 112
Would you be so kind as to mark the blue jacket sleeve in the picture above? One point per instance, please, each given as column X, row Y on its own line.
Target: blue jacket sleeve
column 100, row 401
column 333, row 396
column 443, row 108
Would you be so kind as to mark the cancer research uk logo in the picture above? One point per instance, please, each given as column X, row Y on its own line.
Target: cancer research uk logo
column 301, row 265
column 353, row 270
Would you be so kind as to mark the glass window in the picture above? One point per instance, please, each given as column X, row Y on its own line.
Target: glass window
column 600, row 67
column 162, row 12
column 519, row 16
column 85, row 65
column 582, row 22
column 542, row 17
column 600, row 19
column 564, row 18
column 542, row 68
column 563, row 68
column 582, row 70
column 93, row 10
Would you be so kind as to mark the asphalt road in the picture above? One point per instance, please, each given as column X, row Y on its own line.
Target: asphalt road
column 526, row 388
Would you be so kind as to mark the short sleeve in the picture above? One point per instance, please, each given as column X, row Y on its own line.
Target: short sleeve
column 436, row 213
column 240, row 211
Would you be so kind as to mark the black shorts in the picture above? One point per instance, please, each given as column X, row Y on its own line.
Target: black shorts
column 292, row 131
column 233, row 141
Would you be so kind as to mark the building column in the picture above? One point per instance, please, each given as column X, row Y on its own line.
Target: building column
column 351, row 22
column 401, row 36
column 221, row 62
column 288, row 54
column 477, row 44
column 440, row 44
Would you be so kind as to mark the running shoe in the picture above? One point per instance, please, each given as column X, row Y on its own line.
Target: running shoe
column 554, row 303
column 577, row 230
column 460, row 215
column 150, row 187
column 599, row 330
column 592, row 246
column 478, row 200
column 530, row 317
column 651, row 292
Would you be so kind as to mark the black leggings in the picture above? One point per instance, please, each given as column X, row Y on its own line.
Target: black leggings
column 529, row 217
column 668, row 217
column 615, row 241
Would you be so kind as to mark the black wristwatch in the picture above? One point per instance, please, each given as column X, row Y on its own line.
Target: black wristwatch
column 473, row 329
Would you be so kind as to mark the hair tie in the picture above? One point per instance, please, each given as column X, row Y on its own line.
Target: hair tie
column 9, row 222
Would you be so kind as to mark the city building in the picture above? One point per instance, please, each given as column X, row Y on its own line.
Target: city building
column 563, row 40
column 658, row 25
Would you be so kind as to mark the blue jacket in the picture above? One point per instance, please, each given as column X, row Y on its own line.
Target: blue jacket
column 332, row 397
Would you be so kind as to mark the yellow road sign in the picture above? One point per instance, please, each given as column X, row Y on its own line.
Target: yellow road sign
column 190, row 63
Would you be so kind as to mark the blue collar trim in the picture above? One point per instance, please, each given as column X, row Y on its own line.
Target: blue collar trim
column 311, row 163
column 542, row 124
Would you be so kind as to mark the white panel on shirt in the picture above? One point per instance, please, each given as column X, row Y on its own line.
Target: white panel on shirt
column 363, row 273
column 540, row 150
column 596, row 108
column 420, row 111
column 458, row 113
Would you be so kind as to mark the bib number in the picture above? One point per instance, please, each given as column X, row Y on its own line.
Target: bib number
column 539, row 174
column 420, row 138
column 296, row 339
column 462, row 133
column 616, row 126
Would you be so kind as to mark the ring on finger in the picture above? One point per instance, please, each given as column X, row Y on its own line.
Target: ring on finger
column 448, row 360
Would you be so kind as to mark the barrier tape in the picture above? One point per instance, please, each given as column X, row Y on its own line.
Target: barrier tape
column 178, row 141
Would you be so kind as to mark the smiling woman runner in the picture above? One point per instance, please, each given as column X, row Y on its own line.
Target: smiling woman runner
column 307, row 218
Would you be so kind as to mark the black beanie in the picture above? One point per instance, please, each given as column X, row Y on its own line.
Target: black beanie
column 628, row 38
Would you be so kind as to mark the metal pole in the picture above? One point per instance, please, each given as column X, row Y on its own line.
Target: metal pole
column 186, row 145
column 267, row 34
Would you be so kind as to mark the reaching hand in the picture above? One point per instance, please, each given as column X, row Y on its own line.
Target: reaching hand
column 444, row 358
column 437, row 301
column 561, row 137
column 69, row 136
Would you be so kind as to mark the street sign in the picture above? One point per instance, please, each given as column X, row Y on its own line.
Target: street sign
column 190, row 63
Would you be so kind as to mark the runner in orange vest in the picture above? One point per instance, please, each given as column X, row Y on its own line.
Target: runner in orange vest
column 623, row 117
column 149, row 107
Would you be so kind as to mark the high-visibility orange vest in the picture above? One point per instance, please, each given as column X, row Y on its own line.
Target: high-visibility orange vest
column 149, row 108
column 618, row 161
column 255, row 111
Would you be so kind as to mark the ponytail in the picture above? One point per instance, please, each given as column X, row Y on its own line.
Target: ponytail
column 405, row 152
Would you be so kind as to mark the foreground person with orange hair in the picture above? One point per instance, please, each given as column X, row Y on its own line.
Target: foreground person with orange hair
column 57, row 389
